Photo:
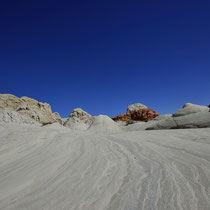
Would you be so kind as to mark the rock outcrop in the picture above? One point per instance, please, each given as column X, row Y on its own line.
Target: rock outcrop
column 38, row 111
column 190, row 116
column 143, row 114
column 10, row 116
column 137, row 112
column 122, row 117
column 196, row 120
column 57, row 117
column 189, row 108
column 79, row 120
column 135, row 107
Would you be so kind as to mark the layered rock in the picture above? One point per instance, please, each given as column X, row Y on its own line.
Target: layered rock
column 162, row 117
column 137, row 112
column 195, row 120
column 189, row 108
column 38, row 111
column 79, row 120
column 190, row 116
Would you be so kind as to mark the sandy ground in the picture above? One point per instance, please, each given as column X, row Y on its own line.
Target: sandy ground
column 57, row 168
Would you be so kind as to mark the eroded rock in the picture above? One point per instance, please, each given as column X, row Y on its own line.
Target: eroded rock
column 137, row 112
column 189, row 108
column 38, row 111
column 79, row 120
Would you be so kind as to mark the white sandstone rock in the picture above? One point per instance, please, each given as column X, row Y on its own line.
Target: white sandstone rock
column 41, row 112
column 162, row 117
column 196, row 120
column 57, row 117
column 10, row 116
column 79, row 120
column 134, row 107
column 189, row 108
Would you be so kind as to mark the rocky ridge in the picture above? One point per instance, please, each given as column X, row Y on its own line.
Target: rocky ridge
column 25, row 110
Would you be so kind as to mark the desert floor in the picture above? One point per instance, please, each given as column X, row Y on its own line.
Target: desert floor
column 56, row 168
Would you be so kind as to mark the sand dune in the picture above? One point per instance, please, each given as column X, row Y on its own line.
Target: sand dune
column 53, row 167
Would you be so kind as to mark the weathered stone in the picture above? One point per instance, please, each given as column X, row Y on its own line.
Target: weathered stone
column 10, row 116
column 137, row 112
column 162, row 117
column 41, row 112
column 189, row 108
column 57, row 117
column 134, row 107
column 79, row 120
column 122, row 117
column 143, row 114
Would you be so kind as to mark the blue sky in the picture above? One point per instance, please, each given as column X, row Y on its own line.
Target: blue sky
column 104, row 55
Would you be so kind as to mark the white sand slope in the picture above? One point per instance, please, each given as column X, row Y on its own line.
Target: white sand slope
column 103, row 123
column 57, row 168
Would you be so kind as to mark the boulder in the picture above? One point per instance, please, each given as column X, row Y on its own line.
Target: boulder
column 143, row 115
column 79, row 120
column 137, row 112
column 195, row 120
column 134, row 107
column 189, row 108
column 41, row 112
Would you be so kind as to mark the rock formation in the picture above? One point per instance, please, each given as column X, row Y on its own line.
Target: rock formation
column 189, row 108
column 38, row 111
column 195, row 120
column 137, row 112
column 135, row 107
column 122, row 117
column 10, row 116
column 79, row 120
column 190, row 116
column 57, row 117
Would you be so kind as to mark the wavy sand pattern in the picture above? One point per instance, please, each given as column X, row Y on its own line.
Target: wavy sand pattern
column 56, row 168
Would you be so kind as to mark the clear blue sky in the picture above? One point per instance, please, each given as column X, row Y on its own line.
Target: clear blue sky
column 104, row 55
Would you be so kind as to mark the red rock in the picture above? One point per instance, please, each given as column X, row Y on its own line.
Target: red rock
column 137, row 115
column 144, row 114
column 122, row 117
